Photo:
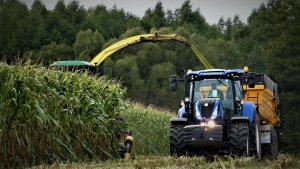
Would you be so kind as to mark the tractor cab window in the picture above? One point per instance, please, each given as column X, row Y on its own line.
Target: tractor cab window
column 211, row 88
column 214, row 88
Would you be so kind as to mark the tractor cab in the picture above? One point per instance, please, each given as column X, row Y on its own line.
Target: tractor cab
column 213, row 95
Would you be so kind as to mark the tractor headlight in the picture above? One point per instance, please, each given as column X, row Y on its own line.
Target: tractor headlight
column 211, row 124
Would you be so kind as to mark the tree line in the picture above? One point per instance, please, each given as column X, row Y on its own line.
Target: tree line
column 268, row 43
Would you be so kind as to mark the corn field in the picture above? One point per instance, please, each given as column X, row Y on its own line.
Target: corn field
column 51, row 116
column 150, row 129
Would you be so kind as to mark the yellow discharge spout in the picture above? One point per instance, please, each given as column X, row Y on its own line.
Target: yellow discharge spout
column 99, row 58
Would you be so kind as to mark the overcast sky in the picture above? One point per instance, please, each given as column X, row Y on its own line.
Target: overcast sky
column 212, row 10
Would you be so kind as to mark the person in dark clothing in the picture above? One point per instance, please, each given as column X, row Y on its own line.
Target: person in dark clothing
column 216, row 92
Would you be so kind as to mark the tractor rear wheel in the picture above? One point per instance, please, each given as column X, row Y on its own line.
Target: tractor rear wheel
column 239, row 138
column 176, row 132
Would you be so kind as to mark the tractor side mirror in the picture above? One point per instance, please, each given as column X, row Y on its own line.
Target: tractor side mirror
column 173, row 82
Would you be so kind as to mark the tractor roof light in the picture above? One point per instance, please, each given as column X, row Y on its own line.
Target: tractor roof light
column 186, row 99
column 246, row 69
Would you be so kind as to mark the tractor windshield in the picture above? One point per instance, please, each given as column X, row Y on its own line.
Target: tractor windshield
column 215, row 88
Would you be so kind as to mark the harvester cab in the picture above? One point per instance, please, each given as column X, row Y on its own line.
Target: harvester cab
column 213, row 118
column 82, row 66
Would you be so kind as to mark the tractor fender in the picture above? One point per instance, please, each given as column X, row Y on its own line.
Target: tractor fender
column 182, row 113
column 239, row 119
column 179, row 121
column 249, row 110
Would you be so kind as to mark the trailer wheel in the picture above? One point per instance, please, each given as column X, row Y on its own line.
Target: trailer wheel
column 176, row 132
column 274, row 144
column 239, row 138
column 256, row 143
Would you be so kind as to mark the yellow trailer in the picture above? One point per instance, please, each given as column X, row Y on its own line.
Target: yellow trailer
column 264, row 93
column 265, row 96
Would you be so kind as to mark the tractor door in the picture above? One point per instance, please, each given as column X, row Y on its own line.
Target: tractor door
column 238, row 96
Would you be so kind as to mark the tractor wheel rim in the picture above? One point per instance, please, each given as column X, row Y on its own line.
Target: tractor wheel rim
column 247, row 153
column 258, row 145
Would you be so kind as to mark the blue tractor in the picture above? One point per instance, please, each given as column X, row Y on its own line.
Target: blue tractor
column 213, row 118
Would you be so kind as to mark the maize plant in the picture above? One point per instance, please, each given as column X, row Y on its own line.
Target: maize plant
column 150, row 129
column 48, row 116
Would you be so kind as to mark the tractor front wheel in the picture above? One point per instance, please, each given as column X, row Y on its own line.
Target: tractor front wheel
column 239, row 138
column 176, row 132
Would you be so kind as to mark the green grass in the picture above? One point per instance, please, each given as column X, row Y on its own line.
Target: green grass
column 285, row 161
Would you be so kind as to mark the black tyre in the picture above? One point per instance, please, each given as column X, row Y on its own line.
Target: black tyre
column 274, row 152
column 255, row 137
column 182, row 148
column 239, row 138
column 176, row 133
